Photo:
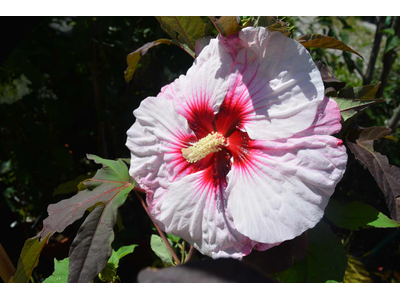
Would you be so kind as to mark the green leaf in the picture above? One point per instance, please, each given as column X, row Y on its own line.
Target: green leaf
column 333, row 281
column 322, row 41
column 264, row 21
column 60, row 274
column 174, row 238
column 133, row 58
column 392, row 42
column 366, row 92
column 279, row 27
column 325, row 260
column 389, row 31
column 109, row 273
column 360, row 142
column 349, row 107
column 226, row 25
column 357, row 215
column 91, row 249
column 160, row 249
column 189, row 29
column 29, row 259
column 120, row 253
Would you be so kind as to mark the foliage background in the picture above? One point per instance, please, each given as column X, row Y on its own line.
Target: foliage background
column 78, row 102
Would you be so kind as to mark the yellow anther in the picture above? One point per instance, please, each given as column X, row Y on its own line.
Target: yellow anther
column 209, row 144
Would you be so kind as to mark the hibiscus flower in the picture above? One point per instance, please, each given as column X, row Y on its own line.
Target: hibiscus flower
column 237, row 153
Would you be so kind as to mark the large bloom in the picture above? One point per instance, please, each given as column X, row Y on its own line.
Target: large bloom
column 237, row 154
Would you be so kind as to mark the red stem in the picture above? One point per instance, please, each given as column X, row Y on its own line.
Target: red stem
column 191, row 253
column 159, row 231
column 216, row 26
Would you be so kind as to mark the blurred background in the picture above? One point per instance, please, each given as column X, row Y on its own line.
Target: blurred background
column 63, row 94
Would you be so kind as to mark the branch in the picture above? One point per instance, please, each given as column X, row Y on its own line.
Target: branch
column 394, row 121
column 375, row 51
column 388, row 59
column 176, row 259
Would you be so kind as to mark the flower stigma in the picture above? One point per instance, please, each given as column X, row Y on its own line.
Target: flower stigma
column 209, row 144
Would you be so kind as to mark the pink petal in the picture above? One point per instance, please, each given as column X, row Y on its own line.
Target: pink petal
column 326, row 121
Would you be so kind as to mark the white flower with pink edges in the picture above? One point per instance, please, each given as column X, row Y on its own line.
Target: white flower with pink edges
column 238, row 154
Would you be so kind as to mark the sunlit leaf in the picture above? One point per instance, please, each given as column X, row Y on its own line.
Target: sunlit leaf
column 360, row 142
column 268, row 22
column 350, row 107
column 356, row 215
column 189, row 29
column 173, row 238
column 29, row 259
column 322, row 41
column 226, row 25
column 279, row 27
column 60, row 274
column 91, row 249
column 133, row 58
column 109, row 273
column 110, row 185
column 160, row 249
column 264, row 21
column 325, row 260
column 120, row 253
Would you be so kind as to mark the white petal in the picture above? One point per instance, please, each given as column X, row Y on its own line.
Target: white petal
column 275, row 82
column 204, row 85
column 285, row 187
column 155, row 141
column 195, row 211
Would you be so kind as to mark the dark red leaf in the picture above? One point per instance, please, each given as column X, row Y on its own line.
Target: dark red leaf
column 360, row 142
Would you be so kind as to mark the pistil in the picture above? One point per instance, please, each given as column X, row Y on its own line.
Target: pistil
column 210, row 144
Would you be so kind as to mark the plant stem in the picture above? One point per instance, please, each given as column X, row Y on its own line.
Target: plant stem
column 7, row 268
column 176, row 259
column 183, row 252
column 216, row 26
column 191, row 253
